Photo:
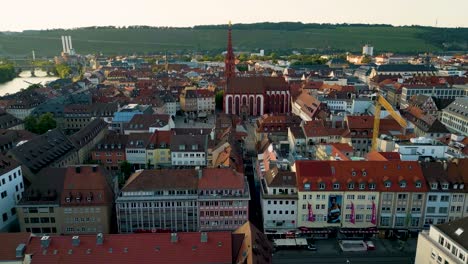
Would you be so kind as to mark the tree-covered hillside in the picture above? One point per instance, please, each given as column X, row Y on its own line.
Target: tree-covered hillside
column 273, row 37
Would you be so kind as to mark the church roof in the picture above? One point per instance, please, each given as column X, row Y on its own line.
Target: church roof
column 256, row 85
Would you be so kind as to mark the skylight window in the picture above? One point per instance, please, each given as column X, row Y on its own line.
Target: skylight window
column 459, row 231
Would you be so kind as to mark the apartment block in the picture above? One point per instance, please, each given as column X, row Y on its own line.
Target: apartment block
column 183, row 200
column 72, row 200
column 11, row 191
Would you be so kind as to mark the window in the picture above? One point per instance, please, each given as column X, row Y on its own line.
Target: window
column 401, row 196
column 430, row 210
column 13, row 211
column 443, row 210
column 362, row 186
column 399, row 221
column 372, row 186
column 385, row 221
column 5, row 217
column 418, row 184
column 444, row 198
column 322, row 186
column 402, row 184
column 336, row 186
column 350, row 186
column 432, row 198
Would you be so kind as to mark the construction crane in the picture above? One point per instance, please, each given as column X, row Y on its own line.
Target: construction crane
column 379, row 103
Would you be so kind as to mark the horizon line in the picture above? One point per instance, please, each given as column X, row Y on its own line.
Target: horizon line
column 252, row 23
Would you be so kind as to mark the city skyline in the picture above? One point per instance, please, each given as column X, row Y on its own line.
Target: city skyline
column 204, row 12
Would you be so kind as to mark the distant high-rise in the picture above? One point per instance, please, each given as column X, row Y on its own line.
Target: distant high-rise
column 230, row 60
column 368, row 50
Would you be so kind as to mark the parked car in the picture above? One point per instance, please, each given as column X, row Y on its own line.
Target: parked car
column 370, row 245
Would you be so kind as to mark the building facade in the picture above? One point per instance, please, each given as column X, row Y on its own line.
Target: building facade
column 183, row 200
column 278, row 200
column 444, row 243
column 455, row 116
column 11, row 191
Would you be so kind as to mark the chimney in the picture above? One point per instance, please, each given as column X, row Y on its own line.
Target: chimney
column 75, row 241
column 64, row 47
column 20, row 250
column 174, row 238
column 65, row 40
column 204, row 237
column 69, row 43
column 77, row 169
column 99, row 239
column 45, row 241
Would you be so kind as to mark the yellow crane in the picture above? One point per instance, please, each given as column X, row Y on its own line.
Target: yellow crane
column 379, row 103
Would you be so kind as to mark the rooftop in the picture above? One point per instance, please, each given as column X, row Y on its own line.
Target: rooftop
column 386, row 176
column 457, row 230
column 135, row 248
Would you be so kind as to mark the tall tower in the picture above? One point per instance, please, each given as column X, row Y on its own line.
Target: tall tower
column 230, row 60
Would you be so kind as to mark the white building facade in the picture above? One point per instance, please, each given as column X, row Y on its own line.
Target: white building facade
column 11, row 191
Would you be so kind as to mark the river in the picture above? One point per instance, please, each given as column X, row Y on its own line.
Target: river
column 22, row 81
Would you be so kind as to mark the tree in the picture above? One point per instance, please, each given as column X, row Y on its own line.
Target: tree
column 7, row 72
column 45, row 123
column 243, row 57
column 219, row 99
column 40, row 125
column 30, row 123
column 63, row 70
column 366, row 59
column 219, row 57
column 126, row 169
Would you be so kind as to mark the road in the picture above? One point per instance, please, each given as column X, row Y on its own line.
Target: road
column 279, row 258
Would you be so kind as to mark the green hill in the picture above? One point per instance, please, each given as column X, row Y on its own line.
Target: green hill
column 278, row 37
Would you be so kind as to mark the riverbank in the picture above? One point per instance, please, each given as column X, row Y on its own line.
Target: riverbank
column 24, row 81
column 7, row 73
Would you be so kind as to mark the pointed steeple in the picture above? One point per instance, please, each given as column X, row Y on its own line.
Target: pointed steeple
column 230, row 59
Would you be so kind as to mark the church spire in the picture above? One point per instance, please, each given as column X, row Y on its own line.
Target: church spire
column 230, row 59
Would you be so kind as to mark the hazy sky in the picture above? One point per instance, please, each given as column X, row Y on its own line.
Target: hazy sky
column 42, row 14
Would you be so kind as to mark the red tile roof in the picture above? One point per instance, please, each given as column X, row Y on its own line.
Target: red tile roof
column 321, row 128
column 9, row 243
column 135, row 248
column 382, row 156
column 342, row 172
column 221, row 178
column 366, row 124
column 256, row 85
column 86, row 182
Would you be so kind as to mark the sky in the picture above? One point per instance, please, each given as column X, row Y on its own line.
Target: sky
column 47, row 14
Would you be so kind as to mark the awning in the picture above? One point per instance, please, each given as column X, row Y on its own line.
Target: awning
column 359, row 231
